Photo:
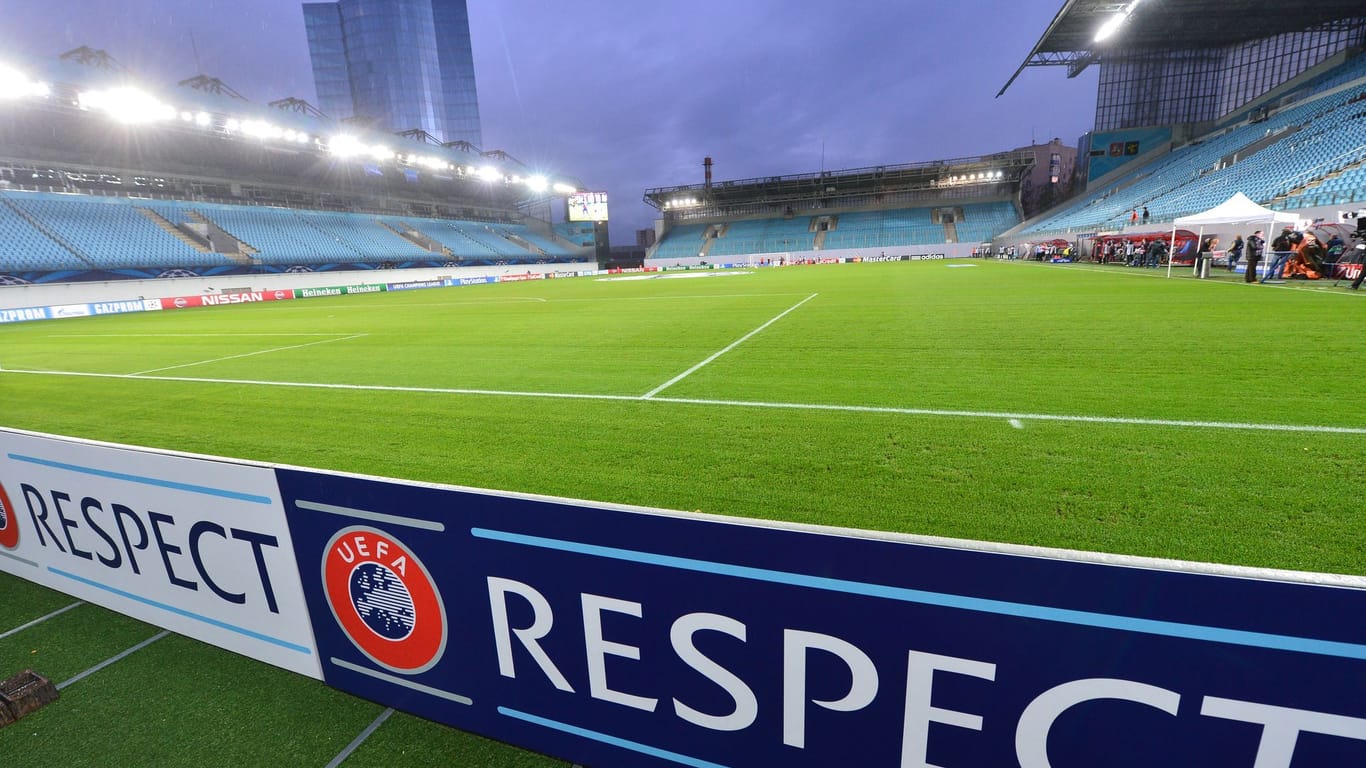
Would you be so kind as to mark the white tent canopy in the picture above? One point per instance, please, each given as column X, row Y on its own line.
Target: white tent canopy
column 1239, row 209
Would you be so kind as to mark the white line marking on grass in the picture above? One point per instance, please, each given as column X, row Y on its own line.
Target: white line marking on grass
column 733, row 345
column 177, row 335
column 40, row 620
column 248, row 354
column 1079, row 419
column 113, row 659
column 359, row 740
column 679, row 296
column 941, row 412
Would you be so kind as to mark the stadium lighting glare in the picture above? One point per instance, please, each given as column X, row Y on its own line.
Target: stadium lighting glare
column 489, row 173
column 231, row 124
column 381, row 152
column 560, row 188
column 1110, row 26
column 186, row 116
column 127, row 105
column 345, row 146
column 16, row 85
column 261, row 129
column 202, row 119
column 538, row 184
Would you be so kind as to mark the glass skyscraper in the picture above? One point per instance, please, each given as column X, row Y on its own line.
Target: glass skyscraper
column 406, row 63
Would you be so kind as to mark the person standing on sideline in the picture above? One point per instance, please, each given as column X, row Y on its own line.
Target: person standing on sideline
column 1145, row 215
column 1283, row 247
column 1254, row 255
column 1235, row 252
column 1204, row 258
column 1133, row 217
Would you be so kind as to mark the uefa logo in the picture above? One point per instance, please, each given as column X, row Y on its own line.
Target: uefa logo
column 9, row 522
column 384, row 599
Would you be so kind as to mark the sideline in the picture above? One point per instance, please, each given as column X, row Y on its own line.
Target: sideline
column 939, row 412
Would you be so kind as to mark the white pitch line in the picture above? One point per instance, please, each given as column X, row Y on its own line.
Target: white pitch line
column 247, row 354
column 40, row 620
column 113, row 659
column 733, row 345
column 177, row 335
column 359, row 740
column 937, row 412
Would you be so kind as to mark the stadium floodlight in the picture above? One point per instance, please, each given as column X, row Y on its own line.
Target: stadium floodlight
column 260, row 129
column 202, row 119
column 186, row 116
column 538, row 184
column 489, row 173
column 380, row 152
column 561, row 188
column 345, row 146
column 231, row 124
column 127, row 105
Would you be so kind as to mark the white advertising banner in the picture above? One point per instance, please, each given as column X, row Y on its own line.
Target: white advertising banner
column 196, row 545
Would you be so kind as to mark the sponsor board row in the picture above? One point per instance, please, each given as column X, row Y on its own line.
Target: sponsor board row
column 616, row 636
column 55, row 312
column 250, row 297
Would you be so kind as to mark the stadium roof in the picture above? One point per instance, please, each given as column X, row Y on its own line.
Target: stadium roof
column 1153, row 25
column 832, row 185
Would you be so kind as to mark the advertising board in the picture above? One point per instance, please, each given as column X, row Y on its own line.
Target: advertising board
column 622, row 636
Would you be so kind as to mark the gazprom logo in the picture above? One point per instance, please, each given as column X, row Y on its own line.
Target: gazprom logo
column 9, row 522
column 385, row 600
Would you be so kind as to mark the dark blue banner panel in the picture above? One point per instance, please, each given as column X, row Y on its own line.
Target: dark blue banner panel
column 616, row 637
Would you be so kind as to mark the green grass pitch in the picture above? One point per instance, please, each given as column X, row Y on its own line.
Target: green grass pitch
column 1086, row 408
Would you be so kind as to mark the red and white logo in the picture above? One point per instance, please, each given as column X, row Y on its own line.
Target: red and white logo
column 385, row 600
column 9, row 522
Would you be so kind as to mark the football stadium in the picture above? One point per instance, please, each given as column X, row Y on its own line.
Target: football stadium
column 332, row 444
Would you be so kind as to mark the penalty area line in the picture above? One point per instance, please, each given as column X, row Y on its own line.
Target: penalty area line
column 935, row 412
column 733, row 345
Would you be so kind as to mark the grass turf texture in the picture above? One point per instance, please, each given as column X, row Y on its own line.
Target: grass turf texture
column 1008, row 338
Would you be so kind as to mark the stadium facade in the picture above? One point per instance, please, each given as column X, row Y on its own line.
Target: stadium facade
column 1197, row 100
column 104, row 178
column 406, row 64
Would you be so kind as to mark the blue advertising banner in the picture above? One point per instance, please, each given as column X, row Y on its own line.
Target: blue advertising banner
column 625, row 637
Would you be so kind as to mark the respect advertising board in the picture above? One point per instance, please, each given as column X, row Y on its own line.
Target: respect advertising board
column 616, row 636
column 192, row 544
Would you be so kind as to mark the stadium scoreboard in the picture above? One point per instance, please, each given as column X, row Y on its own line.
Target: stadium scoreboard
column 587, row 206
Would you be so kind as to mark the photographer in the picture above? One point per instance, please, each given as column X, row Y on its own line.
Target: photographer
column 1254, row 255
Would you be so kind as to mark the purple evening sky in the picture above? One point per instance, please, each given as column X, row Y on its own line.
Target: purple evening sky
column 631, row 94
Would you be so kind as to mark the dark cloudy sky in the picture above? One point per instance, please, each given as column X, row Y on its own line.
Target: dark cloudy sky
column 632, row 94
